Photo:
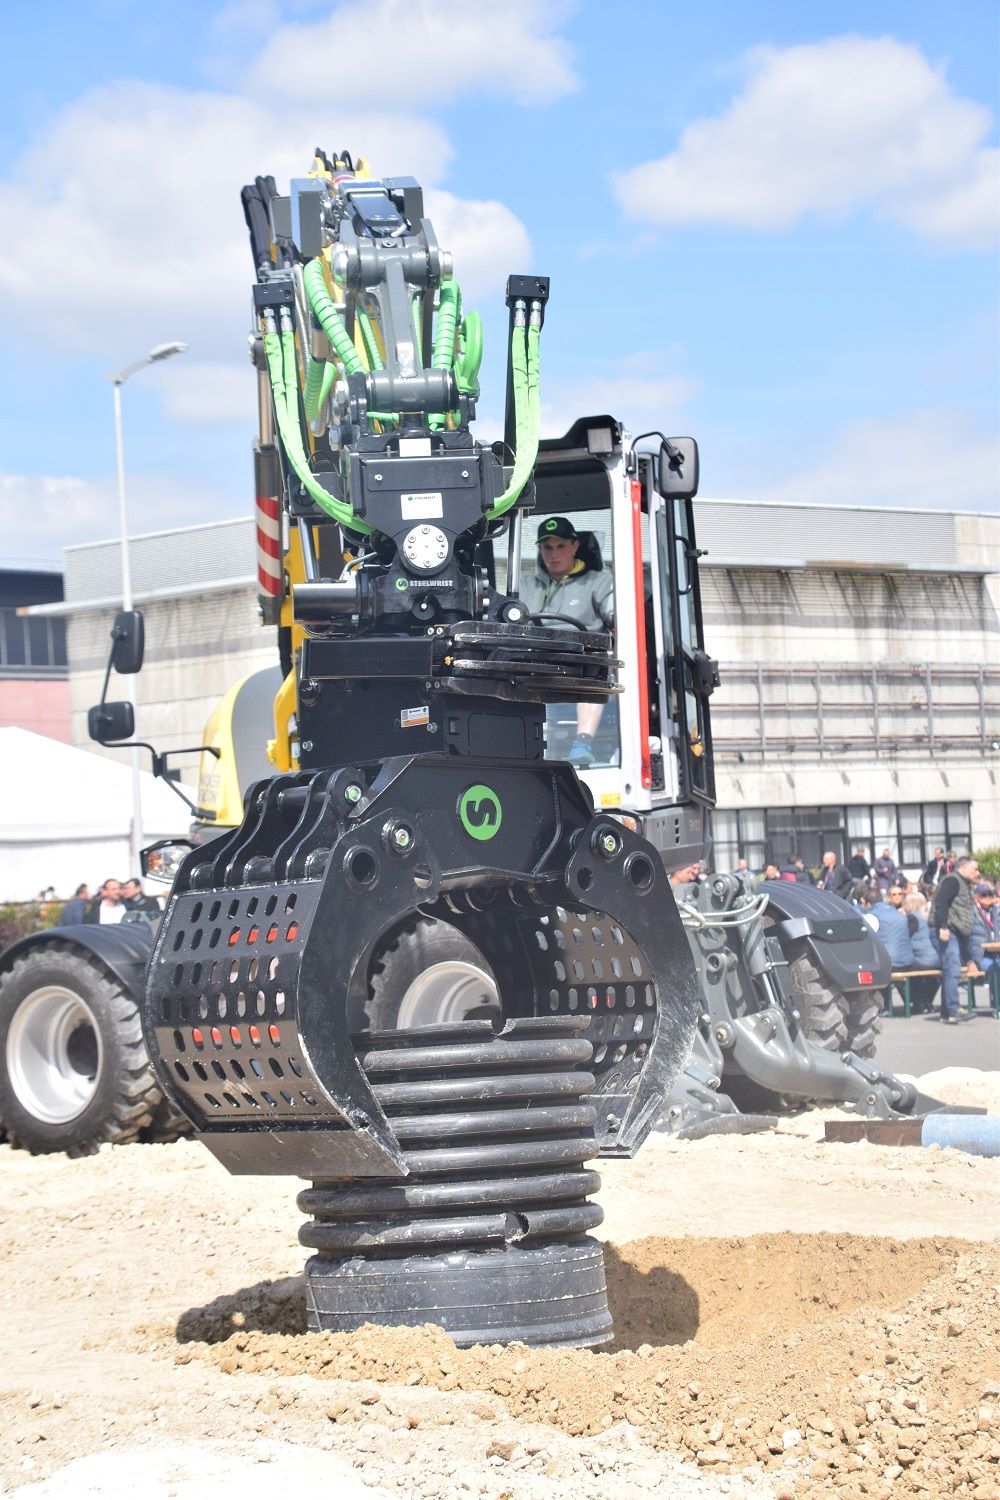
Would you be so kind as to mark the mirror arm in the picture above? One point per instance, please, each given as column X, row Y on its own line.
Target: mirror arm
column 160, row 767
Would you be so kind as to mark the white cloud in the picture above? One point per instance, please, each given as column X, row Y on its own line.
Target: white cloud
column 486, row 239
column 830, row 129
column 421, row 52
column 640, row 390
column 144, row 240
column 934, row 458
column 207, row 394
column 41, row 514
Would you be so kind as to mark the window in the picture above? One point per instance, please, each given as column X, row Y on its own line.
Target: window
column 910, row 831
column 30, row 646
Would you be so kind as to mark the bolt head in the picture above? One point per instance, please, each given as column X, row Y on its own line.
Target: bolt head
column 609, row 843
column 402, row 838
column 352, row 793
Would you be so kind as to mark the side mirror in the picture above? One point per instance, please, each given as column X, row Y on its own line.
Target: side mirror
column 128, row 639
column 677, row 470
column 107, row 723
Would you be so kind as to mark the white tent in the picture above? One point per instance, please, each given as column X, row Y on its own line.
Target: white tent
column 66, row 814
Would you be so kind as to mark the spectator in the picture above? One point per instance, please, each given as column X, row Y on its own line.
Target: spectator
column 75, row 909
column 770, row 872
column 953, row 929
column 565, row 583
column 741, row 866
column 987, row 921
column 801, row 873
column 135, row 900
column 107, row 906
column 686, row 875
column 894, row 935
column 935, row 869
column 834, row 876
column 884, row 870
column 788, row 871
column 858, row 864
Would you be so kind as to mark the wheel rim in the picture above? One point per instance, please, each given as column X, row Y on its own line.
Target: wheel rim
column 453, row 990
column 54, row 1054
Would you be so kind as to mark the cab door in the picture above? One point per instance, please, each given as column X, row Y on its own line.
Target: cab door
column 687, row 674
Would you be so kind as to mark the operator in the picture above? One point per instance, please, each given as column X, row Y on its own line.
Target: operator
column 566, row 584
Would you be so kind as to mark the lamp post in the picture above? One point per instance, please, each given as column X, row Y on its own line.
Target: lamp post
column 161, row 351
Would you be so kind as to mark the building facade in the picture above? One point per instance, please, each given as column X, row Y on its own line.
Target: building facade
column 859, row 650
column 34, row 677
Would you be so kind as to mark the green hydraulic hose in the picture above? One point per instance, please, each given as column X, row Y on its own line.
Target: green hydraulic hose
column 449, row 311
column 329, row 318
column 470, row 355
column 280, row 353
column 375, row 360
column 527, row 415
column 312, row 397
column 329, row 380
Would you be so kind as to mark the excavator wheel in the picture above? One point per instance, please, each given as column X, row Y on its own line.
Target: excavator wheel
column 73, row 1067
column 426, row 973
column 831, row 1019
column 168, row 1124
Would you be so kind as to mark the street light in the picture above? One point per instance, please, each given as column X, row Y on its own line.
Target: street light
column 161, row 351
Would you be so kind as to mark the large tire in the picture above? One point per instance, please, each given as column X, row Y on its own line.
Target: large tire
column 168, row 1124
column 74, row 1073
column 831, row 1019
column 425, row 974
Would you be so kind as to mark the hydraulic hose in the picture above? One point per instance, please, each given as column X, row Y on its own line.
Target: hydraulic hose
column 280, row 354
column 449, row 311
column 527, row 410
column 312, row 397
column 329, row 318
column 470, row 355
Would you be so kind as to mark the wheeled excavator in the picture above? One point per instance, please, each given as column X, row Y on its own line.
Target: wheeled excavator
column 433, row 971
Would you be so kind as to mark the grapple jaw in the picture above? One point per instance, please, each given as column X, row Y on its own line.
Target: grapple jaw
column 264, row 950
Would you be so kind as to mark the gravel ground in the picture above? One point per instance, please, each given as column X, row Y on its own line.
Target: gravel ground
column 794, row 1319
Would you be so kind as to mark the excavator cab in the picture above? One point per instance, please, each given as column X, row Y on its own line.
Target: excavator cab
column 632, row 511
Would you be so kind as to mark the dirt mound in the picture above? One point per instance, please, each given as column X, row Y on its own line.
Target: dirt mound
column 843, row 1358
column 798, row 1319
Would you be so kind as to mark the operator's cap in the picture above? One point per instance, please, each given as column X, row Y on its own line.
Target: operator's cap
column 556, row 526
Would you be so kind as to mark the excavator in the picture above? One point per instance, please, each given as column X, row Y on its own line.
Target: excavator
column 433, row 962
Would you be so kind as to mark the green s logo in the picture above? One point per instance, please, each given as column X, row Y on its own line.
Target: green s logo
column 480, row 812
column 551, row 525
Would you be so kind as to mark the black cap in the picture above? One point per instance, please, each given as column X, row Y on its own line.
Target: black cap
column 556, row 526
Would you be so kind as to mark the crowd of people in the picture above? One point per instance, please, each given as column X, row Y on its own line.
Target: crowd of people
column 107, row 905
column 939, row 922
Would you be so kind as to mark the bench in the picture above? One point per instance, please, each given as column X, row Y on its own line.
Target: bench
column 902, row 978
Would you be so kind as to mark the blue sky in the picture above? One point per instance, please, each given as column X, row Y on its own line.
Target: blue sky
column 773, row 226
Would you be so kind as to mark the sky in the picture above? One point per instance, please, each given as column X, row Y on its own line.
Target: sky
column 772, row 226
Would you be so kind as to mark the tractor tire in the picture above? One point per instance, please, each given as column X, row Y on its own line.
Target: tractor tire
column 823, row 1011
column 427, row 973
column 863, row 1024
column 74, row 1073
column 831, row 1019
column 168, row 1124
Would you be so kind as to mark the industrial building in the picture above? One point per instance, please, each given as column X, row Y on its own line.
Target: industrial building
column 858, row 649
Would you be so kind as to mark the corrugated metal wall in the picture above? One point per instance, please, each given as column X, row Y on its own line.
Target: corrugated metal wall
column 816, row 533
column 168, row 559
